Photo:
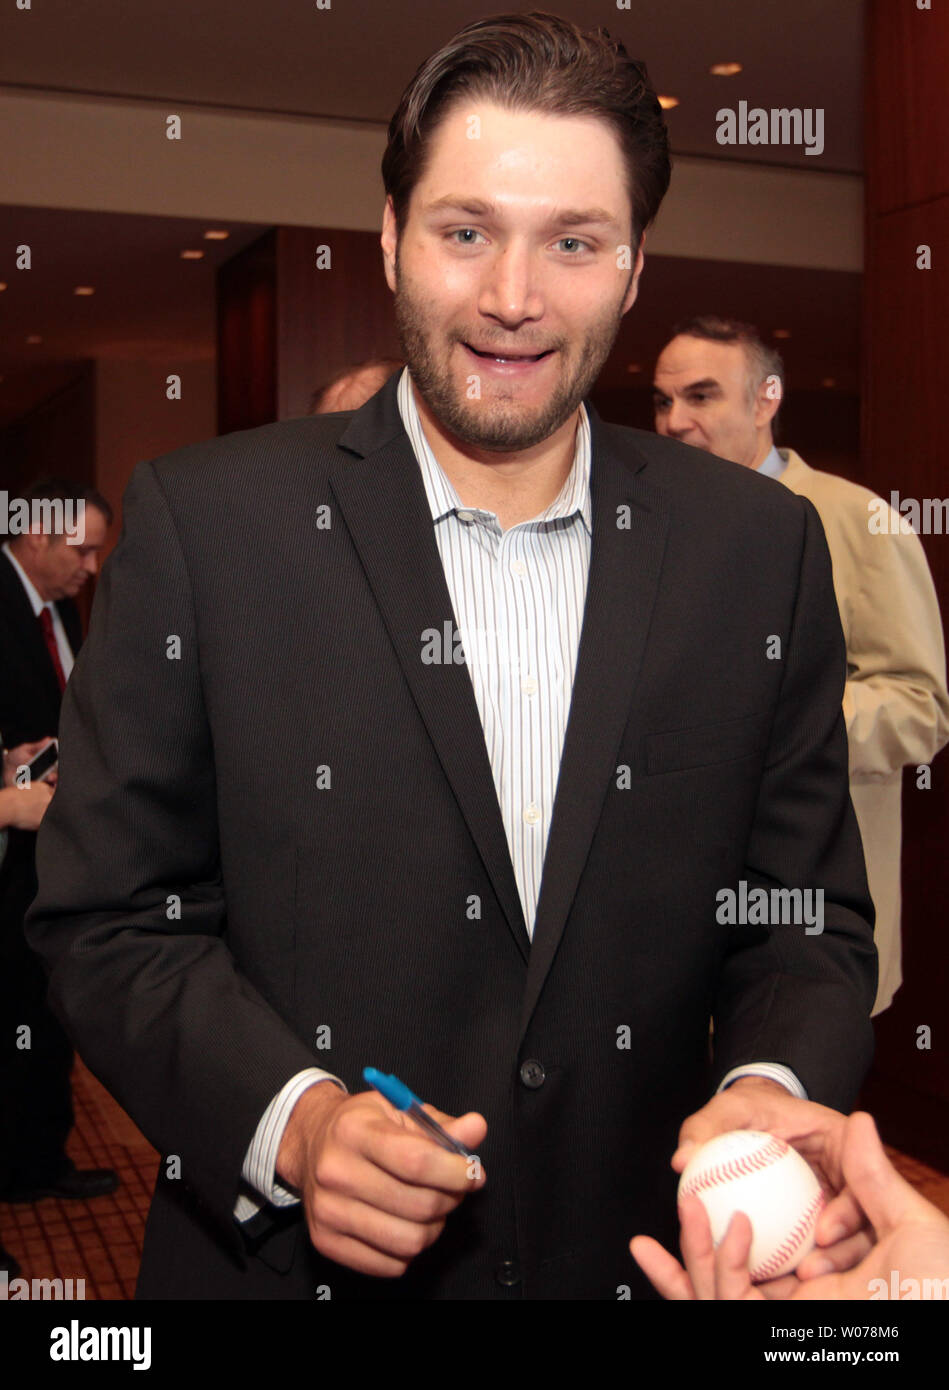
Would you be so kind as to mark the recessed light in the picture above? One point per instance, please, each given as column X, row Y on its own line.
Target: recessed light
column 84, row 290
column 634, row 367
column 34, row 338
column 3, row 285
column 667, row 103
column 192, row 255
column 829, row 381
column 781, row 332
column 725, row 69
column 216, row 234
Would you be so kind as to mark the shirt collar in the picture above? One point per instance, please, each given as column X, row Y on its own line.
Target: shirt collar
column 38, row 603
column 573, row 498
column 772, row 464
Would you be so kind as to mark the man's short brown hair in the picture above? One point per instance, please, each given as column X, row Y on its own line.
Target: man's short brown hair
column 534, row 62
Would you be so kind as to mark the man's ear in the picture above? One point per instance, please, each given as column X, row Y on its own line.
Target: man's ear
column 633, row 290
column 389, row 241
column 768, row 400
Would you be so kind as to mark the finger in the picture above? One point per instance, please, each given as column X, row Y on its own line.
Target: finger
column 876, row 1185
column 389, row 1235
column 407, row 1154
column 732, row 1276
column 469, row 1129
column 844, row 1254
column 698, row 1250
column 661, row 1269
column 842, row 1217
column 352, row 1176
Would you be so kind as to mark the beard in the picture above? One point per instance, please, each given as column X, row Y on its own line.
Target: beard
column 500, row 423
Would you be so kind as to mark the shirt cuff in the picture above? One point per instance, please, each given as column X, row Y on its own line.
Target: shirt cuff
column 772, row 1070
column 260, row 1161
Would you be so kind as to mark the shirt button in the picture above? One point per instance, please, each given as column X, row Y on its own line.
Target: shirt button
column 518, row 567
column 507, row 1274
column 532, row 1074
column 529, row 685
column 532, row 814
column 466, row 516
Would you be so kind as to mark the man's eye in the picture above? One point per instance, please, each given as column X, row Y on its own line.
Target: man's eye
column 464, row 232
column 576, row 245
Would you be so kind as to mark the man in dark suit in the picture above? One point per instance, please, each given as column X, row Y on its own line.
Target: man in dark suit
column 389, row 807
column 42, row 569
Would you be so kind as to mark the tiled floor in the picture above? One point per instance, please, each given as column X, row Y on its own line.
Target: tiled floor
column 101, row 1241
column 98, row 1241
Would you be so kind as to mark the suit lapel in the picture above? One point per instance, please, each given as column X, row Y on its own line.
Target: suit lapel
column 28, row 632
column 625, row 565
column 383, row 504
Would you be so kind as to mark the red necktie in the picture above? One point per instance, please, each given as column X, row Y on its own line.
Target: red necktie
column 46, row 623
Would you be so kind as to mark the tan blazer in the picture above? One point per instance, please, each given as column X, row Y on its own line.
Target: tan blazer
column 895, row 702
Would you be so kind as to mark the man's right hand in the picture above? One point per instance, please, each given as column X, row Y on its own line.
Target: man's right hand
column 376, row 1190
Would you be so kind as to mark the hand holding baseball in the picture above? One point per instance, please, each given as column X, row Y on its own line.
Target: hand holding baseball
column 816, row 1132
column 909, row 1241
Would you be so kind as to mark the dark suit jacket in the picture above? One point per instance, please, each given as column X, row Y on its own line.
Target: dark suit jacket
column 197, row 778
column 29, row 710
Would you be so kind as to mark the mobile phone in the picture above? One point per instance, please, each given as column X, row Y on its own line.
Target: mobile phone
column 45, row 762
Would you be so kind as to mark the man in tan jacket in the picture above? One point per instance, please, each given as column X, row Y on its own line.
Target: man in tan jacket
column 718, row 387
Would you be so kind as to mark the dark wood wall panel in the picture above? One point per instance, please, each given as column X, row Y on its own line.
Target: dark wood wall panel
column 328, row 318
column 906, row 371
column 907, row 113
column 246, row 337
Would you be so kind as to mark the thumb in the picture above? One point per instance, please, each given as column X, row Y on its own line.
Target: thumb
column 886, row 1198
column 469, row 1129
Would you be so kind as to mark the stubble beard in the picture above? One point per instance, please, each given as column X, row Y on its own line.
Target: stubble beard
column 496, row 422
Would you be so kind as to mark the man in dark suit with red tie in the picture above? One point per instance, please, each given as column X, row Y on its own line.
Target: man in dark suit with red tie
column 42, row 569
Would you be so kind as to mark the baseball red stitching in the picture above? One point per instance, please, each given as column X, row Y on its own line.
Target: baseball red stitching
column 736, row 1167
column 795, row 1236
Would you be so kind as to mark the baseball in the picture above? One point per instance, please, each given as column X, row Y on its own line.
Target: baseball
column 770, row 1182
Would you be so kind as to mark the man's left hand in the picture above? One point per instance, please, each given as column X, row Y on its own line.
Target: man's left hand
column 817, row 1132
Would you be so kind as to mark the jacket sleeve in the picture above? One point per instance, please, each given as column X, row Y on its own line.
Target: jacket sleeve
column 130, row 918
column 895, row 703
column 800, row 997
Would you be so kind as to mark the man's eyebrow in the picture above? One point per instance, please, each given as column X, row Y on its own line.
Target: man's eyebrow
column 561, row 217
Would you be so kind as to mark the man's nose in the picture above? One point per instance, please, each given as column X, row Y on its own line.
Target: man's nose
column 678, row 420
column 511, row 292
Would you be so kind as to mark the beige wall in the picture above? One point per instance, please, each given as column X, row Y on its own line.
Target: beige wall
column 135, row 420
column 113, row 156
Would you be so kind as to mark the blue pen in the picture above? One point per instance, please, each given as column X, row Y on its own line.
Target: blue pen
column 398, row 1094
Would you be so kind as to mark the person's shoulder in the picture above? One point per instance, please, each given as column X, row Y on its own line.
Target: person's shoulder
column 817, row 484
column 693, row 478
column 309, row 441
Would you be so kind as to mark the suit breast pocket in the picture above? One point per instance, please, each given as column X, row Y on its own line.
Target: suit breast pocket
column 704, row 745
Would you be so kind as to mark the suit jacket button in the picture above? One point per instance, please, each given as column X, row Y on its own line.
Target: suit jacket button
column 507, row 1274
column 532, row 1074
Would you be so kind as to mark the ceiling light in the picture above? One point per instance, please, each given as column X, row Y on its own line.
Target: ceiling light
column 3, row 285
column 829, row 381
column 192, row 255
column 781, row 332
column 634, row 367
column 667, row 103
column 216, row 234
column 725, row 69
column 34, row 338
column 84, row 290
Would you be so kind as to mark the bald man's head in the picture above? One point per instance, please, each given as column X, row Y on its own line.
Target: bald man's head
column 353, row 386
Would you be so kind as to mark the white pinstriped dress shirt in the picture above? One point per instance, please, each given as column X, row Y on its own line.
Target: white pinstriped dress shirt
column 518, row 598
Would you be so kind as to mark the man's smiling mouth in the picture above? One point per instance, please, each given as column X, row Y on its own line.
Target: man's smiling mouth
column 492, row 356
